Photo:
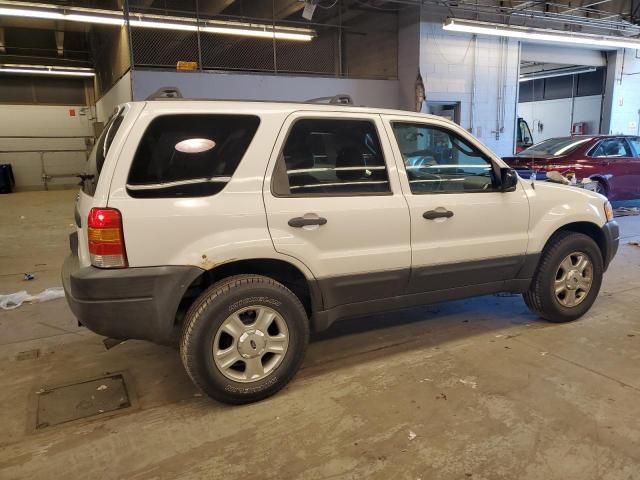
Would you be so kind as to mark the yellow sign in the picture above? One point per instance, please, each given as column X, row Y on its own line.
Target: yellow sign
column 187, row 66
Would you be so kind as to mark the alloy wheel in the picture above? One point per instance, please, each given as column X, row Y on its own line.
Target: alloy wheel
column 250, row 343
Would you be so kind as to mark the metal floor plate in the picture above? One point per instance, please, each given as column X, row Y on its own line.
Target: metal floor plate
column 75, row 401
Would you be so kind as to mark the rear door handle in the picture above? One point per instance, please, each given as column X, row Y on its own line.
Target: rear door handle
column 299, row 222
column 433, row 214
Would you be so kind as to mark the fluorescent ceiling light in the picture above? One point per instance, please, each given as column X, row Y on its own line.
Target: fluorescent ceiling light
column 107, row 20
column 164, row 25
column 21, row 12
column 539, row 34
column 560, row 72
column 186, row 24
column 266, row 33
column 55, row 15
column 221, row 27
column 47, row 70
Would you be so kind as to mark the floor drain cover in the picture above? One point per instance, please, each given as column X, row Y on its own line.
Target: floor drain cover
column 76, row 401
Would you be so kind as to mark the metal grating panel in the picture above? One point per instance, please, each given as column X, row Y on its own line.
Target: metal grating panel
column 75, row 401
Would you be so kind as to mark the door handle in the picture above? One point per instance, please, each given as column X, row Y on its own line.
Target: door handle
column 433, row 214
column 299, row 222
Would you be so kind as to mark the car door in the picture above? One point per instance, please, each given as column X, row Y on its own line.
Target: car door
column 334, row 202
column 614, row 158
column 634, row 170
column 464, row 230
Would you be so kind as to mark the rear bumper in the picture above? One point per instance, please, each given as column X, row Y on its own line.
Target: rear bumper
column 139, row 303
column 611, row 232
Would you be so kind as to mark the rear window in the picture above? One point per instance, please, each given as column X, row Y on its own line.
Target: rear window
column 99, row 153
column 189, row 155
column 555, row 146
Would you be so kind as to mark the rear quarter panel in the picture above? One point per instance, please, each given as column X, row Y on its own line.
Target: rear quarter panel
column 198, row 231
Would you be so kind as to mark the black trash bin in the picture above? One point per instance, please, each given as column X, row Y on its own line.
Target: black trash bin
column 7, row 182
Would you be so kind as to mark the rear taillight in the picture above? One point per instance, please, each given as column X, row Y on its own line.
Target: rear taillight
column 106, row 238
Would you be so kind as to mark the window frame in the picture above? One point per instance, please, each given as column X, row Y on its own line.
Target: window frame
column 89, row 185
column 495, row 168
column 592, row 150
column 280, row 177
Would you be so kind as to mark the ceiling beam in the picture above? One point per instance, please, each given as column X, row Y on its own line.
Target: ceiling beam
column 213, row 7
column 59, row 35
column 278, row 8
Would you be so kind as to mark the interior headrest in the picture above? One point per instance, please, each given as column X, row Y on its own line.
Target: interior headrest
column 298, row 157
column 350, row 157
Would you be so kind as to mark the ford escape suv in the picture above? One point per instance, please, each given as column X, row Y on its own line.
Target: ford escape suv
column 236, row 228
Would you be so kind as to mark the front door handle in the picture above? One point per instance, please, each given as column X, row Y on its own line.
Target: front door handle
column 433, row 214
column 299, row 222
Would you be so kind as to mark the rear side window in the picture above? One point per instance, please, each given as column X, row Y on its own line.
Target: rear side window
column 635, row 143
column 189, row 155
column 99, row 153
column 612, row 147
column 324, row 157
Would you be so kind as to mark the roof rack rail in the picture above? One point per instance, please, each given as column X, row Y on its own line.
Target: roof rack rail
column 165, row 92
column 339, row 99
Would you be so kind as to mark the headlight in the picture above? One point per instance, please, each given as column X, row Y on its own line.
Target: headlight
column 608, row 211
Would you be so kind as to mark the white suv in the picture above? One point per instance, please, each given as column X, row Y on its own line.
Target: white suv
column 239, row 227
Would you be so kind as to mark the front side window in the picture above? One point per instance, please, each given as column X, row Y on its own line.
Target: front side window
column 612, row 147
column 332, row 157
column 189, row 155
column 437, row 160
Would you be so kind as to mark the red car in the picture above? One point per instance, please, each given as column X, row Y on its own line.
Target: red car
column 611, row 160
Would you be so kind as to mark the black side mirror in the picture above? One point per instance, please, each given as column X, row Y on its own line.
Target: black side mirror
column 508, row 179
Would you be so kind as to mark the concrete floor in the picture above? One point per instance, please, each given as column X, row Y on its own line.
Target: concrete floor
column 489, row 391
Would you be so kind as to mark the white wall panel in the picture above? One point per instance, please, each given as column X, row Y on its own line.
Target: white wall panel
column 563, row 55
column 43, row 120
column 555, row 116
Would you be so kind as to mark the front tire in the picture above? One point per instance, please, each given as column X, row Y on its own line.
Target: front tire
column 568, row 278
column 244, row 339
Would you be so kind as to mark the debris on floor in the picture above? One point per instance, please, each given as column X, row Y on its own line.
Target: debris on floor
column 14, row 300
column 28, row 354
column 29, row 276
column 626, row 211
column 635, row 243
column 412, row 435
column 468, row 382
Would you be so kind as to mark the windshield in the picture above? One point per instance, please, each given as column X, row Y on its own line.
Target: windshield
column 554, row 146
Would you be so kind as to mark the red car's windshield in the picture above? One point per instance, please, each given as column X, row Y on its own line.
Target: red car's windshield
column 554, row 146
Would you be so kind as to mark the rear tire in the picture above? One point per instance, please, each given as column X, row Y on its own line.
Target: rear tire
column 568, row 278
column 244, row 339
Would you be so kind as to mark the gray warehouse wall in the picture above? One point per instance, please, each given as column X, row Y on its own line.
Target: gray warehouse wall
column 44, row 120
column 447, row 63
column 378, row 93
column 117, row 94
